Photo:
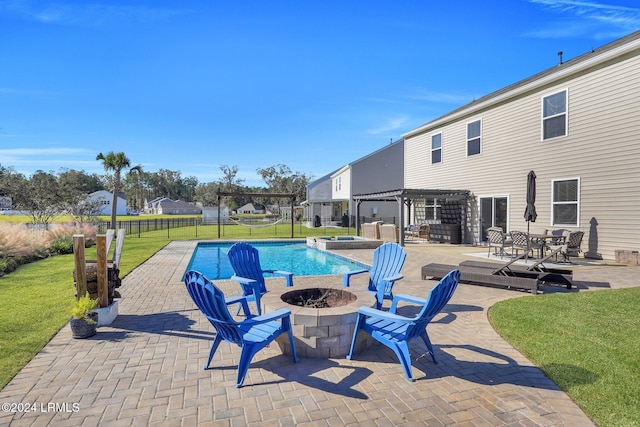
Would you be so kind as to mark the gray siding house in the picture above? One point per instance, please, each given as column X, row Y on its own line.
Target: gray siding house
column 577, row 125
column 381, row 170
column 331, row 196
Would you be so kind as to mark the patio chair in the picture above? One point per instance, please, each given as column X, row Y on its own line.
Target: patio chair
column 411, row 232
column 251, row 334
column 497, row 239
column 245, row 261
column 396, row 331
column 569, row 246
column 520, row 241
column 388, row 260
column 389, row 233
column 371, row 230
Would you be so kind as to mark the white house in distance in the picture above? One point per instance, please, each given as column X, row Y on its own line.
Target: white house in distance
column 576, row 125
column 252, row 208
column 105, row 198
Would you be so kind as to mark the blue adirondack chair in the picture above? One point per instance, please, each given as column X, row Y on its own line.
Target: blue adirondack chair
column 251, row 334
column 388, row 260
column 397, row 331
column 245, row 261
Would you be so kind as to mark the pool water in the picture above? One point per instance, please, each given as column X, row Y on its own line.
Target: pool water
column 211, row 259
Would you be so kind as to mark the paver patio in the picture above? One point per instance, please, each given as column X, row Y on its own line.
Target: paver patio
column 146, row 368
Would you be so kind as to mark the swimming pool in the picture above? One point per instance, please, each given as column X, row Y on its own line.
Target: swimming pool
column 210, row 258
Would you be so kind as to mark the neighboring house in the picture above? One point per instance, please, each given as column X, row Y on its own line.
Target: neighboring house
column 381, row 170
column 252, row 208
column 577, row 125
column 340, row 194
column 6, row 203
column 105, row 198
column 151, row 206
column 319, row 202
column 177, row 207
column 166, row 206
column 331, row 196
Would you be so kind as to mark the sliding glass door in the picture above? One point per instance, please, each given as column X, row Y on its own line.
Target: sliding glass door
column 493, row 213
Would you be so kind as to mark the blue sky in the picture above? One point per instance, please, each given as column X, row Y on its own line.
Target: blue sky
column 314, row 85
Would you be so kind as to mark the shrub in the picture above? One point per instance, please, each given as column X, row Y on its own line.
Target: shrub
column 61, row 236
column 21, row 245
column 83, row 306
column 15, row 240
column 62, row 247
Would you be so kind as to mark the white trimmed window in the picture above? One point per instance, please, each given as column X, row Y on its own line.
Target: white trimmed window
column 474, row 138
column 436, row 148
column 566, row 202
column 554, row 115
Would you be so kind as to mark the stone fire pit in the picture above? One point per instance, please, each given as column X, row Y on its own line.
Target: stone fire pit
column 323, row 318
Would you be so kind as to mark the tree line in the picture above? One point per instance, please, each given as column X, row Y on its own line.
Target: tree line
column 45, row 195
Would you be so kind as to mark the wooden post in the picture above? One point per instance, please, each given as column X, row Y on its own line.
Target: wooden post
column 81, row 271
column 103, row 283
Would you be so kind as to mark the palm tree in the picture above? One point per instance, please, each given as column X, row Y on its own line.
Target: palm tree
column 116, row 162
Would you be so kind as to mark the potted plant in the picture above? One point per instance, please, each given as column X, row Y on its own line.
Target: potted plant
column 83, row 320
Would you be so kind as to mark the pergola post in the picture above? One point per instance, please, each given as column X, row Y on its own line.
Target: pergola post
column 401, row 201
column 358, row 202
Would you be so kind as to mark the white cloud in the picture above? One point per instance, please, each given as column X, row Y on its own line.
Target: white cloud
column 440, row 97
column 389, row 125
column 40, row 151
column 90, row 14
column 600, row 20
column 28, row 160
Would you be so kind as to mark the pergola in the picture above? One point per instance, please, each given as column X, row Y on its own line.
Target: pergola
column 405, row 196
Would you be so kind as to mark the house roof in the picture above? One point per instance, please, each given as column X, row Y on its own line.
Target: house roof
column 253, row 206
column 409, row 193
column 177, row 204
column 121, row 194
column 399, row 141
column 563, row 70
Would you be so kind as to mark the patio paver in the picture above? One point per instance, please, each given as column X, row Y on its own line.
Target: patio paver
column 146, row 368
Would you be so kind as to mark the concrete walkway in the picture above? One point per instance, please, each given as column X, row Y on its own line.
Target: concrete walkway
column 146, row 368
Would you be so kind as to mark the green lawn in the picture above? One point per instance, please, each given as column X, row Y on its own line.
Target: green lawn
column 588, row 343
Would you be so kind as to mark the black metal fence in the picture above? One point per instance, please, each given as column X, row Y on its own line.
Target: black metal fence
column 194, row 228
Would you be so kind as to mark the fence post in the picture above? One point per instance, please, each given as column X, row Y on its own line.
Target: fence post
column 103, row 284
column 81, row 266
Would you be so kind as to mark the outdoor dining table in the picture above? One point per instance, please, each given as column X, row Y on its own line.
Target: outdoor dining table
column 543, row 238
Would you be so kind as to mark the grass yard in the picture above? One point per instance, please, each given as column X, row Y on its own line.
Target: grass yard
column 588, row 343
